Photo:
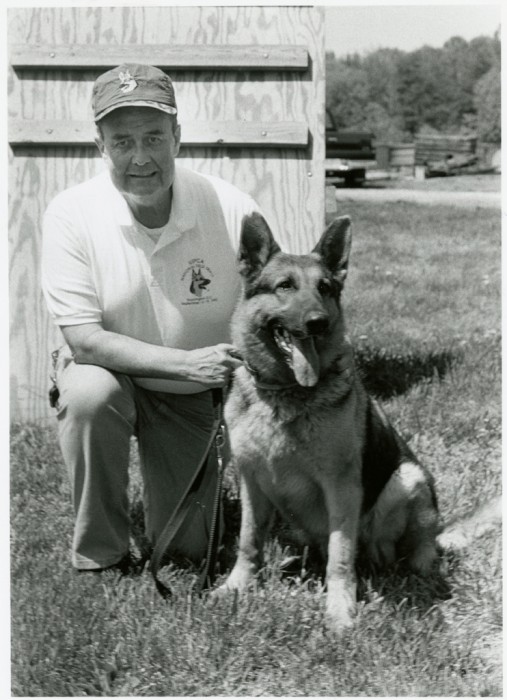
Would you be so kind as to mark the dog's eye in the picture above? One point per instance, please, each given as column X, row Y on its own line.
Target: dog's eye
column 324, row 287
column 285, row 285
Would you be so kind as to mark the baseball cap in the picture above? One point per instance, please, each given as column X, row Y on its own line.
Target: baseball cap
column 132, row 85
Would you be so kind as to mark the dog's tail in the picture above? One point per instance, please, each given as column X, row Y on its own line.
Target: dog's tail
column 461, row 533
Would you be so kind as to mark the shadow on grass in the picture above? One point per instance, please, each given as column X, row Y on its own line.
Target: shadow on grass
column 386, row 374
column 398, row 584
column 137, row 521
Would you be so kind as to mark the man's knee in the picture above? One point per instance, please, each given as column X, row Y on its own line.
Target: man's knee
column 88, row 392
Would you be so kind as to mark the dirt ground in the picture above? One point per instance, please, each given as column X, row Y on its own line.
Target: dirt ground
column 459, row 190
column 490, row 182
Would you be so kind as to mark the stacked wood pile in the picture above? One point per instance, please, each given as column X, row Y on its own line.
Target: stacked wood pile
column 433, row 149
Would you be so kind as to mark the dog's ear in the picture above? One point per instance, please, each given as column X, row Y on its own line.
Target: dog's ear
column 334, row 247
column 257, row 245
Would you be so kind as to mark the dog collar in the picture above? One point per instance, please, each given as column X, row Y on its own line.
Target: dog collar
column 264, row 385
column 341, row 364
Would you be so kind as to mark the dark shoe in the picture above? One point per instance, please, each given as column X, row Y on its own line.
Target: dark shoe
column 128, row 565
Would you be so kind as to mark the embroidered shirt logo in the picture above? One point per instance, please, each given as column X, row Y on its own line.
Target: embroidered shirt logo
column 198, row 277
column 127, row 82
column 199, row 282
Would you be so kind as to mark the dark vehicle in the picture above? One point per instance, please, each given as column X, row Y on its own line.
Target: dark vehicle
column 349, row 154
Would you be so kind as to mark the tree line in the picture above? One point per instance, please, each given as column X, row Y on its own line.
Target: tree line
column 398, row 95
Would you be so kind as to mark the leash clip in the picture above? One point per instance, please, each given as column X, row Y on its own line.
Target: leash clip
column 219, row 445
column 54, row 392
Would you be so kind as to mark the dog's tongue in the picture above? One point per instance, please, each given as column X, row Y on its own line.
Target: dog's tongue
column 305, row 361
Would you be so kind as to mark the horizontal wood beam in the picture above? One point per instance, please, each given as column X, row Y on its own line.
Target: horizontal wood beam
column 227, row 57
column 231, row 133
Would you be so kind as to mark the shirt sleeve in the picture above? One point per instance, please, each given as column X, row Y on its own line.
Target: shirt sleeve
column 67, row 279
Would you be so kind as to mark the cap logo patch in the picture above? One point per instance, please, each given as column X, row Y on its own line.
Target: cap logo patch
column 127, row 82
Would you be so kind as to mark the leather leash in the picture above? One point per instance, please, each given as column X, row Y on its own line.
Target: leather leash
column 216, row 440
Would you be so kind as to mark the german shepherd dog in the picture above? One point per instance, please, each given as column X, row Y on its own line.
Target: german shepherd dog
column 305, row 437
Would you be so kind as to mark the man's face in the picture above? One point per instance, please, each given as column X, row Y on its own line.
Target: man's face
column 139, row 145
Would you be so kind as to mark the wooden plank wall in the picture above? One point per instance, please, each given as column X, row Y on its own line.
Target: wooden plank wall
column 287, row 179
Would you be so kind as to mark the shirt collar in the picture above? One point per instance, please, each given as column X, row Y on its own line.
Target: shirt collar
column 183, row 214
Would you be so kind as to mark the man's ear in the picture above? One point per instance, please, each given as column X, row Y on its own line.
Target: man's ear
column 99, row 142
column 334, row 247
column 177, row 138
column 257, row 245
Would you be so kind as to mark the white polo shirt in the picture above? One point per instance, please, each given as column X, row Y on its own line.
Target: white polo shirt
column 101, row 266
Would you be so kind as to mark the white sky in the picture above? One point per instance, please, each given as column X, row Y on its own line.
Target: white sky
column 360, row 28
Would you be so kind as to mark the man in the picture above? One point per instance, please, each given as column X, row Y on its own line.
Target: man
column 139, row 273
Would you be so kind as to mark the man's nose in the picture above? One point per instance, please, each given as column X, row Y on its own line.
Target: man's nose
column 140, row 156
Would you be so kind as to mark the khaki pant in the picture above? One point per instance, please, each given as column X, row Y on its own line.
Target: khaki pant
column 98, row 413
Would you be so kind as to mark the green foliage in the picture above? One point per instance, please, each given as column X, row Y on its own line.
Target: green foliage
column 487, row 99
column 397, row 94
column 353, row 82
column 423, row 308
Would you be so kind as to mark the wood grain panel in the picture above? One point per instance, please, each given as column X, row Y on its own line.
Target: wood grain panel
column 231, row 133
column 184, row 56
column 33, row 182
column 286, row 180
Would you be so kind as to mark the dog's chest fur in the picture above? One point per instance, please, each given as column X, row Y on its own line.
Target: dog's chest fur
column 293, row 449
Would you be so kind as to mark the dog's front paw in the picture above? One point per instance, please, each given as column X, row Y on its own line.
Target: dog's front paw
column 340, row 617
column 223, row 591
column 220, row 593
column 238, row 580
column 340, row 607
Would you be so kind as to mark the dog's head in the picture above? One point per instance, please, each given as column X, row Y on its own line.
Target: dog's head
column 290, row 318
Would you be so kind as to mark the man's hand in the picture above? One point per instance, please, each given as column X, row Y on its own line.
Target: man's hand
column 211, row 366
column 214, row 365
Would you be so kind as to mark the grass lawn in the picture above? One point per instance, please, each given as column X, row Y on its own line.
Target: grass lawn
column 423, row 309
